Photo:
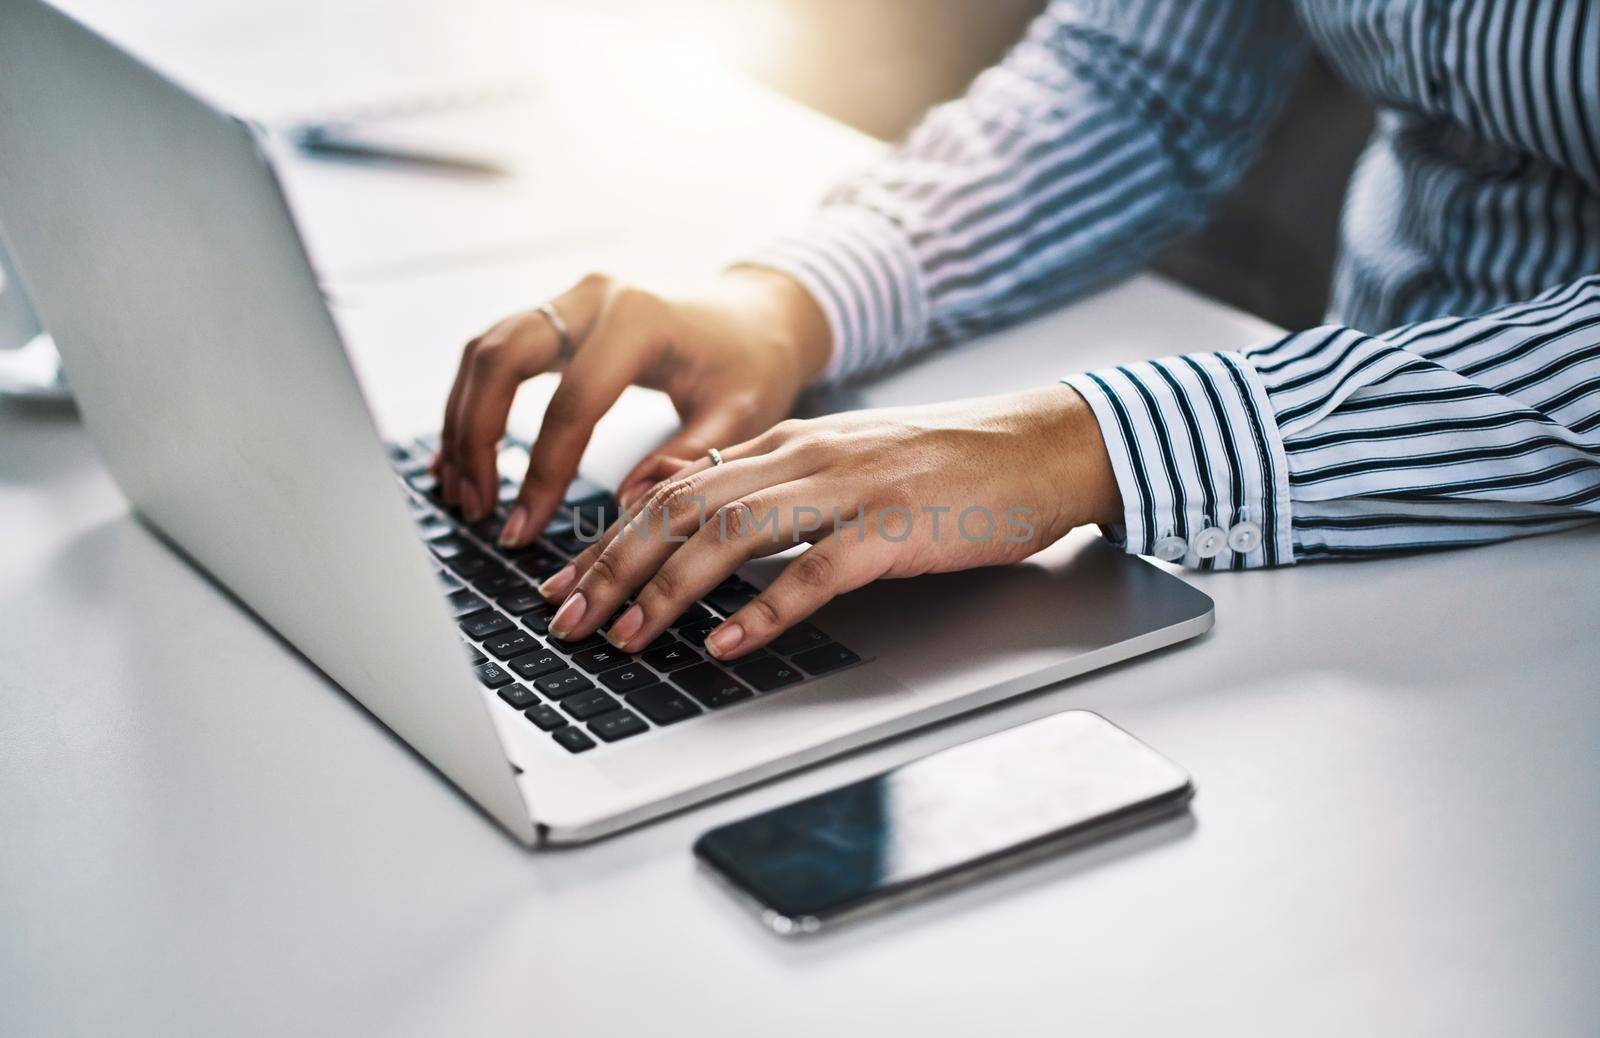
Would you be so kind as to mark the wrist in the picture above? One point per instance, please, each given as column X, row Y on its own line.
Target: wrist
column 1079, row 463
column 789, row 314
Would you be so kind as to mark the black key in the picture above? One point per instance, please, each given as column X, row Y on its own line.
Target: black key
column 492, row 675
column 663, row 704
column 469, row 564
column 569, row 542
column 546, row 717
column 828, row 657
column 661, row 641
column 488, row 530
column 768, row 673
column 671, row 657
column 432, row 528
column 798, row 639
column 482, row 624
column 490, row 570
column 519, row 696
column 626, row 678
column 398, row 452
column 589, row 704
column 693, row 615
column 595, row 512
column 709, row 685
column 573, row 739
column 601, row 657
column 465, row 603
column 511, row 643
column 696, row 633
column 564, row 682
column 594, row 641
column 731, row 596
column 449, row 546
column 424, row 483
column 502, row 582
column 520, row 602
column 619, row 724
column 473, row 655
column 537, row 664
column 537, row 619
column 538, row 560
column 409, row 467
column 417, row 508
column 446, row 580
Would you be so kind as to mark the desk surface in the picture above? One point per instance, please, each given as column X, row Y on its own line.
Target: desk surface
column 1396, row 827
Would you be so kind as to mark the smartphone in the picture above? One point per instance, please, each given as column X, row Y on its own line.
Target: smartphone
column 943, row 821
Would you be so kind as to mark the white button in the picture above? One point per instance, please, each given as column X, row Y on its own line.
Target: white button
column 1244, row 537
column 1171, row 549
column 1208, row 542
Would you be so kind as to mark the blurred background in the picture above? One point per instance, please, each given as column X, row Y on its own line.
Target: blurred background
column 877, row 64
column 873, row 64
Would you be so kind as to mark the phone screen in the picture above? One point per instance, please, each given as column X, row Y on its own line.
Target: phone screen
column 978, row 803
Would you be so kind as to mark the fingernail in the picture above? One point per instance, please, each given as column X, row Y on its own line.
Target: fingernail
column 471, row 503
column 511, row 536
column 559, row 583
column 571, row 612
column 627, row 626
column 725, row 639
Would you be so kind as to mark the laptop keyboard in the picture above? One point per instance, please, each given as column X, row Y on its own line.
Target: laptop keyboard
column 588, row 692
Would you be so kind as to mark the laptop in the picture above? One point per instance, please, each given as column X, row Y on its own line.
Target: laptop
column 154, row 237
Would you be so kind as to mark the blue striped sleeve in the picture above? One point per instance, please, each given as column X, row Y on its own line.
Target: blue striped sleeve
column 1194, row 446
column 1455, row 431
column 1105, row 133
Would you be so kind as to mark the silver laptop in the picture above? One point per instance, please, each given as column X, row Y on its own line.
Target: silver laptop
column 151, row 231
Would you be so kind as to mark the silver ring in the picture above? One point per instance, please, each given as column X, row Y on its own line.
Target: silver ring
column 715, row 456
column 565, row 347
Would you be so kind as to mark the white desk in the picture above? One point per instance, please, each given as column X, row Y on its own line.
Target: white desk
column 1396, row 831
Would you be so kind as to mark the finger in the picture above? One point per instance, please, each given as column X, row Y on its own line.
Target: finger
column 757, row 524
column 827, row 569
column 608, row 572
column 444, row 467
column 646, row 477
column 717, row 426
column 496, row 368
column 659, row 512
column 491, row 369
column 447, row 429
column 762, row 443
column 615, row 352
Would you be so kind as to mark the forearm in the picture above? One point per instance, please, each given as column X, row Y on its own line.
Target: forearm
column 1105, row 133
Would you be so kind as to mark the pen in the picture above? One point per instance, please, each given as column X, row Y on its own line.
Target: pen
column 329, row 141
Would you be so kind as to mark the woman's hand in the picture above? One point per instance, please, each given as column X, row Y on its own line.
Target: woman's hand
column 732, row 358
column 972, row 483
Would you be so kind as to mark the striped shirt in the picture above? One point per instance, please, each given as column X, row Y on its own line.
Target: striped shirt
column 1452, row 398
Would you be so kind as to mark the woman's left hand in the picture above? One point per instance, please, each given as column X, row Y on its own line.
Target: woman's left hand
column 972, row 483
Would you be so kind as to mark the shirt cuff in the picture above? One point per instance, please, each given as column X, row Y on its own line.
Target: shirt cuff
column 860, row 268
column 1195, row 447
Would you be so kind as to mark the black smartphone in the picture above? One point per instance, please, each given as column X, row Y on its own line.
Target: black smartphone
column 944, row 820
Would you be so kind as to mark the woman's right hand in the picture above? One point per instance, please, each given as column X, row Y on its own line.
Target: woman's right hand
column 732, row 357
